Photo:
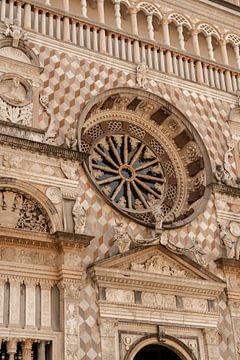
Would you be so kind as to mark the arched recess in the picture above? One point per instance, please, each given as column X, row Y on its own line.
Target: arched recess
column 233, row 49
column 109, row 13
column 130, row 121
column 29, row 191
column 179, row 29
column 179, row 348
column 125, row 17
column 22, row 52
column 208, row 37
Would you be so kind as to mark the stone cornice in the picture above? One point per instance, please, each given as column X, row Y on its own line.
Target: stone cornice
column 49, row 150
column 225, row 189
column 127, row 279
column 229, row 265
column 19, row 67
column 59, row 240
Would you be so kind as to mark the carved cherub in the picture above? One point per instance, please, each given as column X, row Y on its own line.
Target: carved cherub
column 121, row 237
column 71, row 140
column 142, row 70
column 15, row 31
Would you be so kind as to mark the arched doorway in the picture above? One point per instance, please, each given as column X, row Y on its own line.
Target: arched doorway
column 156, row 352
column 150, row 348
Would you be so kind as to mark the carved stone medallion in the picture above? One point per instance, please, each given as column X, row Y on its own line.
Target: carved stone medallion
column 15, row 90
column 234, row 228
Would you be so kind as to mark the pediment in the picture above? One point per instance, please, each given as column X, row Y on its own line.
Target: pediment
column 157, row 260
column 158, row 268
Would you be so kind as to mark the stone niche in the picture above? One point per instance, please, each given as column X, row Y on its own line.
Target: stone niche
column 154, row 292
column 21, row 100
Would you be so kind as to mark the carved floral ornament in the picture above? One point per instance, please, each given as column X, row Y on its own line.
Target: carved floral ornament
column 18, row 210
column 142, row 151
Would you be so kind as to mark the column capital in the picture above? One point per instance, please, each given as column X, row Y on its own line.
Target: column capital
column 133, row 10
column 12, row 345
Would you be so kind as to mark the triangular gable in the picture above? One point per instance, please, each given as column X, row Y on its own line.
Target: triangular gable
column 157, row 260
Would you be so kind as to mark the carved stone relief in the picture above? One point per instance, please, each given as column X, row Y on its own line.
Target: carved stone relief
column 72, row 322
column 158, row 300
column 141, row 76
column 15, row 100
column 193, row 304
column 159, row 265
column 20, row 212
column 120, row 296
column 54, row 194
column 27, row 256
column 70, row 169
column 15, row 32
column 231, row 244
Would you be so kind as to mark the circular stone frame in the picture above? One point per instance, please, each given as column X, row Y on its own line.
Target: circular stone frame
column 118, row 120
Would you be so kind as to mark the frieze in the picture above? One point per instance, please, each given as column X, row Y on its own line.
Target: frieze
column 26, row 256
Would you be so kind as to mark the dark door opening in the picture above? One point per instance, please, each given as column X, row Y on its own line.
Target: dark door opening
column 156, row 352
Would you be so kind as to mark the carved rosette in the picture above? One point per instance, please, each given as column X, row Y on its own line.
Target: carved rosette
column 142, row 151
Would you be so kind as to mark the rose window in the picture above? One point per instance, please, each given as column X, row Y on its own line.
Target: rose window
column 127, row 171
column 141, row 151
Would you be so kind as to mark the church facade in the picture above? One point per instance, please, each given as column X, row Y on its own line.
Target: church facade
column 119, row 180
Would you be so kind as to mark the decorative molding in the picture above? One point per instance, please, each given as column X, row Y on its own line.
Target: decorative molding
column 58, row 240
column 49, row 150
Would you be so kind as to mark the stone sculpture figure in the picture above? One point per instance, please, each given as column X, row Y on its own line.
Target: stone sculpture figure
column 157, row 212
column 142, row 70
column 222, row 172
column 121, row 237
column 15, row 31
column 228, row 242
column 79, row 216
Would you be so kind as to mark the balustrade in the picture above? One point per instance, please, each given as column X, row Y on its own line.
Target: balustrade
column 100, row 38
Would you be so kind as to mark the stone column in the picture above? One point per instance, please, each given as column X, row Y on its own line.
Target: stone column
column 181, row 37
column 45, row 305
column 237, row 55
column 30, row 304
column 27, row 349
column 134, row 23
column 166, row 39
column 101, row 14
column 195, row 42
column 84, row 8
column 150, row 27
column 117, row 14
column 224, row 52
column 27, row 16
column 210, row 47
column 12, row 348
column 14, row 313
column 41, row 350
column 2, row 284
column 101, row 18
